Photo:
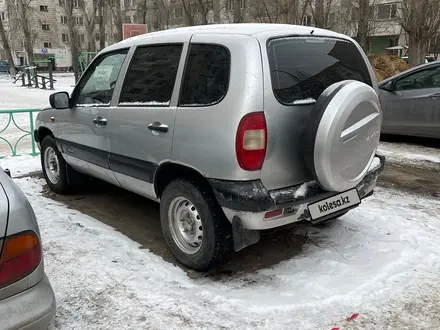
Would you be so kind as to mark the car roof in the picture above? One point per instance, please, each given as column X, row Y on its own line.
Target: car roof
column 240, row 28
column 418, row 67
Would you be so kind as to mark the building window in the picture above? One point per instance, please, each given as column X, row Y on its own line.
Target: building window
column 76, row 3
column 79, row 20
column 2, row 16
column 45, row 27
column 44, row 8
column 47, row 45
column 62, row 3
column 387, row 11
column 97, row 36
column 128, row 19
column 307, row 20
column 63, row 19
column 65, row 37
column 230, row 5
column 128, row 3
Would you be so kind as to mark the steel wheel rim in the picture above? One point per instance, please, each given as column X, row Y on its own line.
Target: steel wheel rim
column 51, row 165
column 185, row 225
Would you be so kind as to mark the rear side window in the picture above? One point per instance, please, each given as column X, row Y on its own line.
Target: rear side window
column 303, row 67
column 151, row 76
column 206, row 78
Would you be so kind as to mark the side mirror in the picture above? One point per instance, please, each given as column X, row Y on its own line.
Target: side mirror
column 389, row 86
column 59, row 100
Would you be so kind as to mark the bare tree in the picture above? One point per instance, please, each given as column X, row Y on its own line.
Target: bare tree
column 23, row 7
column 89, row 15
column 421, row 20
column 189, row 12
column 322, row 11
column 102, row 23
column 142, row 11
column 7, row 49
column 116, row 11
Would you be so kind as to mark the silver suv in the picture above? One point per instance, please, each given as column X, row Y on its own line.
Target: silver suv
column 233, row 128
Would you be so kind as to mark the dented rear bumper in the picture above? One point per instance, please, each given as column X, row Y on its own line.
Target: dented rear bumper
column 250, row 201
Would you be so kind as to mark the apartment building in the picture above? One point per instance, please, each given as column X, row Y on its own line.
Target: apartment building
column 49, row 22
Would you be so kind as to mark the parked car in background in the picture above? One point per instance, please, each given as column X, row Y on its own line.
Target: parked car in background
column 27, row 300
column 4, row 67
column 234, row 128
column 411, row 102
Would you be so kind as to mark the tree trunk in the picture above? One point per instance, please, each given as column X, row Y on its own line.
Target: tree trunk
column 7, row 49
column 26, row 33
column 72, row 40
column 118, row 20
column 101, row 25
column 416, row 51
column 319, row 14
column 238, row 15
column 362, row 34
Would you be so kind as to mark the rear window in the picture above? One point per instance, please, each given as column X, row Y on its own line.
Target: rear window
column 303, row 67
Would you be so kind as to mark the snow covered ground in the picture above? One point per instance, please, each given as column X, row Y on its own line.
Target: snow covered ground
column 12, row 96
column 414, row 155
column 375, row 261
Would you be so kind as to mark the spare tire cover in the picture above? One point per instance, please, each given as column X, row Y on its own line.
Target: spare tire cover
column 342, row 134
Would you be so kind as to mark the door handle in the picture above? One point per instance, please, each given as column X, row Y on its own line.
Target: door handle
column 435, row 96
column 158, row 127
column 100, row 121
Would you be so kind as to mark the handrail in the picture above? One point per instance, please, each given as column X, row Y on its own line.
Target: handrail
column 11, row 118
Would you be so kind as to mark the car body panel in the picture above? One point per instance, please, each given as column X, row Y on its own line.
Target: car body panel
column 415, row 111
column 135, row 150
column 30, row 302
column 209, row 146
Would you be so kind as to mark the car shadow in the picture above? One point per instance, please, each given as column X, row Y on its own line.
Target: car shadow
column 138, row 218
column 420, row 141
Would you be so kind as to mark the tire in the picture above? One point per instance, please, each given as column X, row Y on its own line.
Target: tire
column 190, row 201
column 54, row 166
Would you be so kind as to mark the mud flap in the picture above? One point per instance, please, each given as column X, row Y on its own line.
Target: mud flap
column 243, row 237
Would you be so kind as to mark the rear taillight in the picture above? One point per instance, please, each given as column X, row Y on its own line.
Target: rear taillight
column 251, row 141
column 21, row 256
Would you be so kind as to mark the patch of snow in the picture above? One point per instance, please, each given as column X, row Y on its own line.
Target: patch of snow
column 361, row 263
column 152, row 103
column 374, row 164
column 21, row 165
column 302, row 190
column 409, row 154
column 305, row 101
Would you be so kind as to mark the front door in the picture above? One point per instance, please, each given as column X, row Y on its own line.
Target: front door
column 82, row 129
column 141, row 127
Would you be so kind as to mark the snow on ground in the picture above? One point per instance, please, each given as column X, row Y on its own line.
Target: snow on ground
column 12, row 96
column 384, row 254
column 409, row 153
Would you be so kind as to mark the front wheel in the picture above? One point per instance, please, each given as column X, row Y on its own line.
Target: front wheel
column 194, row 226
column 54, row 166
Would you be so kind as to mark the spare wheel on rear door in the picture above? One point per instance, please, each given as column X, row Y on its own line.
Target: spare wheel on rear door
column 342, row 135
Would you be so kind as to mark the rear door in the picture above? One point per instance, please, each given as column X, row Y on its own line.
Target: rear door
column 141, row 127
column 414, row 106
column 296, row 71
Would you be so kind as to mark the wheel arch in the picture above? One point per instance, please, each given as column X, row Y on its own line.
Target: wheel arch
column 170, row 171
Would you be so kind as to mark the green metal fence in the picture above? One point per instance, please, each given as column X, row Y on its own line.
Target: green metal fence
column 26, row 133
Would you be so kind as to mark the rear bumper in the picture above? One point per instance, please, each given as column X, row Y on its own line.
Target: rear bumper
column 249, row 201
column 32, row 309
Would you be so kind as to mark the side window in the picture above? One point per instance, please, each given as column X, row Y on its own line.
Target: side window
column 206, row 77
column 429, row 78
column 151, row 76
column 97, row 85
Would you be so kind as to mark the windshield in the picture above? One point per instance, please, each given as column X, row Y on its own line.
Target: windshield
column 303, row 67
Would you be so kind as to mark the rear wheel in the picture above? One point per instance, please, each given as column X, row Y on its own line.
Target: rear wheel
column 54, row 166
column 194, row 226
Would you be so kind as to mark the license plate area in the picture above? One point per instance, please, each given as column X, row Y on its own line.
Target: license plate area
column 334, row 204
